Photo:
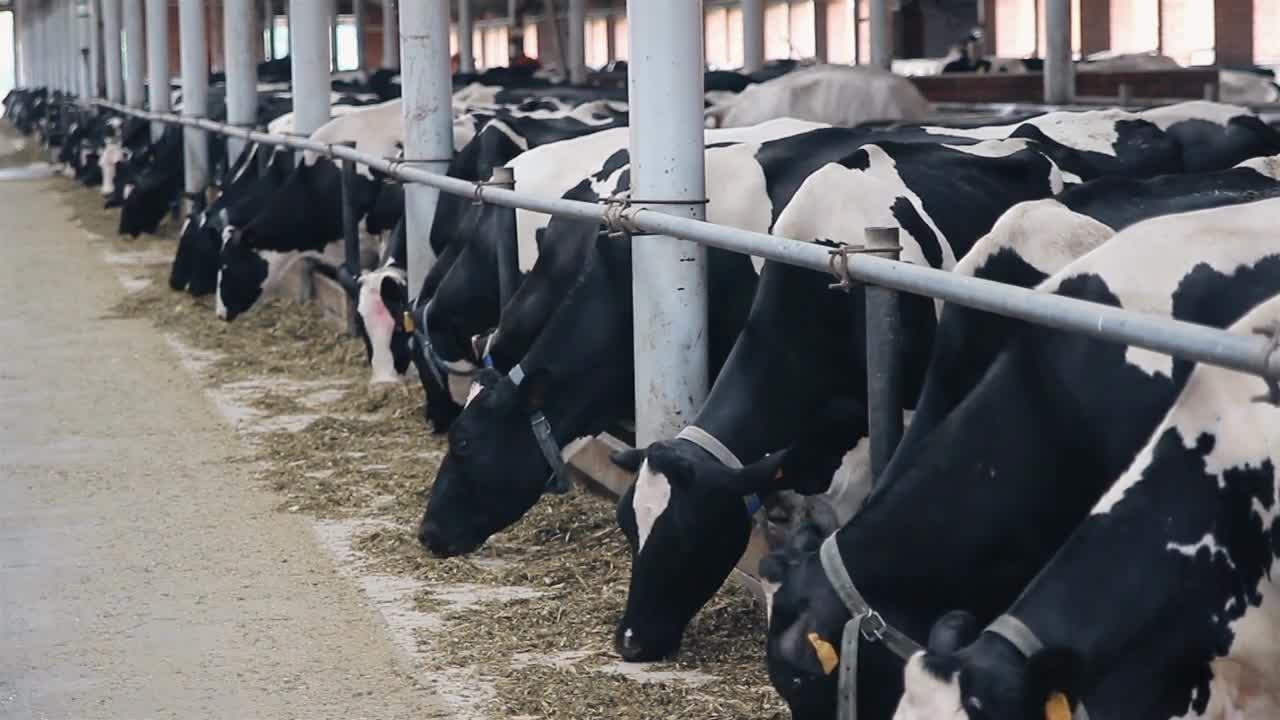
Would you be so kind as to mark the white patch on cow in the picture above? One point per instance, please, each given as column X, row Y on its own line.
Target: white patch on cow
column 459, row 387
column 1217, row 113
column 1045, row 234
column 926, row 696
column 219, row 308
column 1246, row 683
column 769, row 589
column 476, row 389
column 835, row 94
column 1208, row 542
column 186, row 223
column 477, row 94
column 110, row 159
column 379, row 325
column 128, row 190
column 1144, row 264
column 649, row 501
column 1092, row 131
column 1267, row 166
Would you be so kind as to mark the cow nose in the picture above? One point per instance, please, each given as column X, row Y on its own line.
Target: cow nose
column 431, row 538
column 632, row 647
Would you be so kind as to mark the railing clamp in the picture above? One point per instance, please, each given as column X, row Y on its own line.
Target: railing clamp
column 838, row 263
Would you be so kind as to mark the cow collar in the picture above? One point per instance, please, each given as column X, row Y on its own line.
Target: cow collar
column 866, row 622
column 558, row 482
column 717, row 449
column 1024, row 640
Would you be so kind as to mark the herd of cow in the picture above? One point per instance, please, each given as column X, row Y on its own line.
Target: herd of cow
column 1069, row 528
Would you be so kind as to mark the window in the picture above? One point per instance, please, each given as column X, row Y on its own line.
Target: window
column 1266, row 40
column 282, row 36
column 1135, row 26
column 531, row 40
column 596, row 40
column 788, row 30
column 1187, row 30
column 716, row 40
column 840, row 32
column 348, row 50
column 7, row 76
column 621, row 39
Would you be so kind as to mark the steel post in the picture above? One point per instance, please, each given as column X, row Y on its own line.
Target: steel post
column 135, row 58
column 577, row 42
column 241, row 59
column 84, row 25
column 158, row 61
column 820, row 32
column 309, row 39
column 269, row 27
column 508, row 248
column 881, row 25
column 95, row 48
column 390, row 34
column 362, row 23
column 195, row 95
column 752, row 35
column 668, row 275
column 466, row 52
column 428, row 120
column 1059, row 72
column 883, row 343
column 350, row 234
column 333, row 35
column 113, row 61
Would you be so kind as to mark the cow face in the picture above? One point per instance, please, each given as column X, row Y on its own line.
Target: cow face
column 381, row 304
column 687, row 526
column 242, row 277
column 478, row 490
column 974, row 677
column 112, row 156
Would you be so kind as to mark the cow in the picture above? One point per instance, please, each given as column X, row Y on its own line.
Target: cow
column 1024, row 455
column 785, row 330
column 1161, row 603
column 750, row 183
column 831, row 94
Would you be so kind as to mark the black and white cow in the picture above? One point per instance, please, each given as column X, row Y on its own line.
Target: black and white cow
column 1163, row 603
column 966, row 517
column 750, row 413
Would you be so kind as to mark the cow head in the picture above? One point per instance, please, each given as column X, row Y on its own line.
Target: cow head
column 688, row 519
column 243, row 274
column 112, row 156
column 382, row 302
column 971, row 675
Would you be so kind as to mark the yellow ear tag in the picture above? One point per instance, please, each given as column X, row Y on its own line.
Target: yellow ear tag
column 778, row 475
column 407, row 321
column 827, row 654
column 1057, row 707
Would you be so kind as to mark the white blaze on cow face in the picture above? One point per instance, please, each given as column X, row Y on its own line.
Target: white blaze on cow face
column 128, row 190
column 476, row 389
column 928, row 697
column 460, row 384
column 112, row 156
column 649, row 501
column 380, row 327
column 769, row 589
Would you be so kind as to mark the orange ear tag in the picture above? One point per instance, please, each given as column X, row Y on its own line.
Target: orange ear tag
column 827, row 654
column 1057, row 707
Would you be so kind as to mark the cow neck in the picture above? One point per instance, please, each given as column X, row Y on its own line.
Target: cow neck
column 792, row 356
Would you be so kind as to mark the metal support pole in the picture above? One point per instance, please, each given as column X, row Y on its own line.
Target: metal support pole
column 309, row 39
column 882, row 33
column 269, row 28
column 63, row 38
column 1059, row 73
column 428, row 120
column 84, row 25
column 135, row 59
column 466, row 52
column 577, row 42
column 95, row 48
column 361, row 27
column 113, row 60
column 820, row 39
column 752, row 35
column 390, row 34
column 1126, row 95
column 158, row 61
column 350, row 234
column 668, row 276
column 333, row 35
column 195, row 94
column 508, row 254
column 884, row 372
column 241, row 62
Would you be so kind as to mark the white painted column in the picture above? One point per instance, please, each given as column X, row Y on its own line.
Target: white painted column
column 362, row 27
column 428, row 120
column 752, row 35
column 195, row 92
column 84, row 73
column 135, row 56
column 820, row 30
column 241, row 57
column 113, row 62
column 158, row 61
column 466, row 52
column 269, row 25
column 333, row 35
column 668, row 276
column 577, row 42
column 309, row 39
column 390, row 34
column 95, row 47
column 1059, row 72
column 881, row 33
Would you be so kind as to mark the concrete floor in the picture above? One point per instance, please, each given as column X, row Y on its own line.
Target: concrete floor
column 141, row 576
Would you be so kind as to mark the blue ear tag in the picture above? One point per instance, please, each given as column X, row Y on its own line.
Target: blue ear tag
column 487, row 361
column 753, row 505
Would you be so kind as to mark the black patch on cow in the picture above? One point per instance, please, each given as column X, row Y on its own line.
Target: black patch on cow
column 860, row 160
column 915, row 226
column 614, row 162
column 1121, row 202
column 727, row 143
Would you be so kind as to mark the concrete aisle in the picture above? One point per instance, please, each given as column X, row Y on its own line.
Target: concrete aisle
column 141, row 576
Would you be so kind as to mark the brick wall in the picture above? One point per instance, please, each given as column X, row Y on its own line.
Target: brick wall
column 1095, row 26
column 1233, row 31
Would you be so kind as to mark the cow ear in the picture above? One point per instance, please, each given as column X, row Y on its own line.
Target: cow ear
column 953, row 631
column 629, row 460
column 1054, row 682
column 763, row 476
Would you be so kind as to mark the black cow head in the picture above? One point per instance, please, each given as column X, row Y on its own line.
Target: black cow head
column 243, row 272
column 382, row 301
column 984, row 676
